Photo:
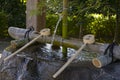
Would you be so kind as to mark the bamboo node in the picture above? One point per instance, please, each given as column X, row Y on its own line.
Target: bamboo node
column 101, row 61
column 96, row 63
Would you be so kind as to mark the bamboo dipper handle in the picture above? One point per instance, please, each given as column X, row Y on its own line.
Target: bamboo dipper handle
column 87, row 39
column 68, row 62
column 43, row 32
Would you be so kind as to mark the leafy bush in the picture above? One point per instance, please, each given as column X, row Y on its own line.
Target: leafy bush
column 101, row 26
column 12, row 13
column 3, row 25
column 51, row 21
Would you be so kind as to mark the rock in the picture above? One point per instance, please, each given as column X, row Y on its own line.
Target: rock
column 36, row 64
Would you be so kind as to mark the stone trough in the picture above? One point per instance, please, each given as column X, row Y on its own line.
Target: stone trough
column 34, row 63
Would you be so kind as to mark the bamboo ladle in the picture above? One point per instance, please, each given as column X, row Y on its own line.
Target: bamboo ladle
column 43, row 32
column 87, row 39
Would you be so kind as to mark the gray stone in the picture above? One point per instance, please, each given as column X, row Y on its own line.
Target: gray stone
column 35, row 64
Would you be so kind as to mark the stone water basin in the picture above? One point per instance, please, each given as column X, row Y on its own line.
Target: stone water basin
column 39, row 62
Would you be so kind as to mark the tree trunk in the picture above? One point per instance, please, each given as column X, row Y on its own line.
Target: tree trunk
column 117, row 29
column 36, row 20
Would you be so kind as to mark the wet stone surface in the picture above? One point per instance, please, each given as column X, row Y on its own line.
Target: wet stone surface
column 35, row 64
column 3, row 44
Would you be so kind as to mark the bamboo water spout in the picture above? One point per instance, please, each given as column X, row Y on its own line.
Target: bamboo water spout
column 88, row 39
column 99, row 48
column 106, row 58
column 44, row 32
column 102, row 61
column 56, row 27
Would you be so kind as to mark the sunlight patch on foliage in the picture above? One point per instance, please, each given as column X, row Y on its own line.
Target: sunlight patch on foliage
column 101, row 26
column 24, row 1
column 96, row 15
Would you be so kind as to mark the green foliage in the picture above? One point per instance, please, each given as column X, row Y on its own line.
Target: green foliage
column 23, row 1
column 3, row 25
column 83, row 16
column 51, row 21
column 103, row 27
column 54, row 6
column 15, row 11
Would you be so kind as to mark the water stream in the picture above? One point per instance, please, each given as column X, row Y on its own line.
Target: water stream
column 56, row 27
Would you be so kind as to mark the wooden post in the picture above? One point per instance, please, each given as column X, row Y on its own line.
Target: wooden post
column 38, row 21
column 117, row 32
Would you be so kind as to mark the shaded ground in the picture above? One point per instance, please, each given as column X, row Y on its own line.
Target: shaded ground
column 3, row 44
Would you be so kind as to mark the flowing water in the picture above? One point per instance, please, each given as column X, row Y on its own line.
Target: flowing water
column 56, row 27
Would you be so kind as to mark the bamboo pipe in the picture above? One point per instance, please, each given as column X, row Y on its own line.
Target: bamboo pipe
column 43, row 32
column 87, row 39
column 102, row 61
column 18, row 43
